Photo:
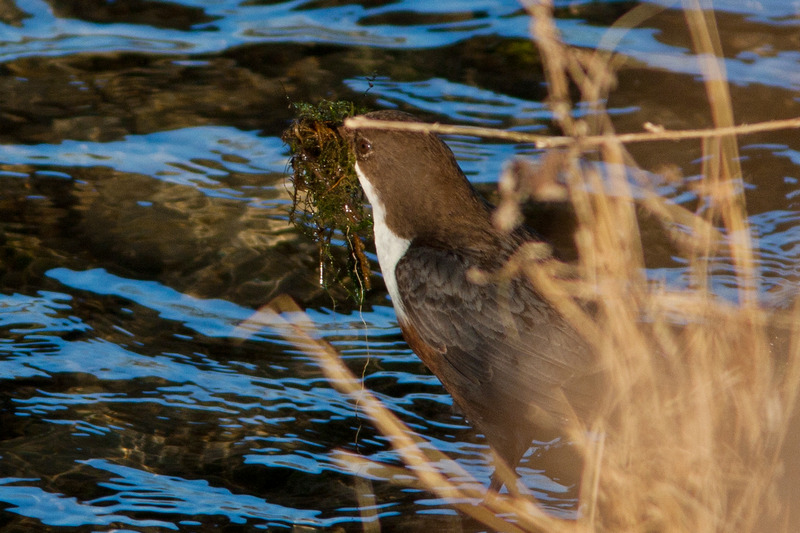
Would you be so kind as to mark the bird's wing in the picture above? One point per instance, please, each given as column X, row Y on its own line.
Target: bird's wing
column 501, row 339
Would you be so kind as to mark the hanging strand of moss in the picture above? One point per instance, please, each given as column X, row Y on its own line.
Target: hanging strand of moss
column 327, row 199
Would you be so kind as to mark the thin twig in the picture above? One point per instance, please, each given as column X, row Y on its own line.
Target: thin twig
column 545, row 141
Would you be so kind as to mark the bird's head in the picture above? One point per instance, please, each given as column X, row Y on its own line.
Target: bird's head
column 414, row 178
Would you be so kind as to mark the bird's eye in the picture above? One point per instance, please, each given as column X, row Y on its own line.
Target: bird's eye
column 363, row 146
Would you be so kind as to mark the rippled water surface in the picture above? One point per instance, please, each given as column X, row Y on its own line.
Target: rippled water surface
column 144, row 218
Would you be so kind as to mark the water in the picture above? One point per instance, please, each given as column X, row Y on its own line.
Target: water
column 143, row 218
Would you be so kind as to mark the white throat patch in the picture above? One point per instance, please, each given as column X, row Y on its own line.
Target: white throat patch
column 389, row 246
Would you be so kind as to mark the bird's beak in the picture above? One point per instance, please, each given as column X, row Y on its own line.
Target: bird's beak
column 346, row 134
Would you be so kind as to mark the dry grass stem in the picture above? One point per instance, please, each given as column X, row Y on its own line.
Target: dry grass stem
column 547, row 141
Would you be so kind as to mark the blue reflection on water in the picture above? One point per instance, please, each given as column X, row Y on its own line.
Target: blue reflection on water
column 58, row 510
column 166, row 155
column 215, row 319
column 38, row 313
column 248, row 405
column 139, row 491
column 238, row 23
column 458, row 102
column 212, row 318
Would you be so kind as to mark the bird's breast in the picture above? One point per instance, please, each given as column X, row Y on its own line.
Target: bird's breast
column 389, row 246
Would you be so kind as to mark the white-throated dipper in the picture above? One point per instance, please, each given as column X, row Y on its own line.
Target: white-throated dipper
column 511, row 363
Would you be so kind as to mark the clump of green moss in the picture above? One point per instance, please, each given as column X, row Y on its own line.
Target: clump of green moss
column 327, row 197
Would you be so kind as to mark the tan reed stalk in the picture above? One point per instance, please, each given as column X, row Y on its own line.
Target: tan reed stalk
column 698, row 406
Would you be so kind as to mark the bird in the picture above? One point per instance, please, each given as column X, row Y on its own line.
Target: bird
column 511, row 362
